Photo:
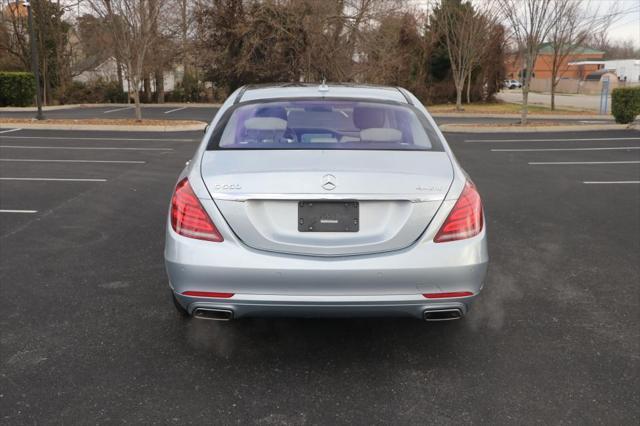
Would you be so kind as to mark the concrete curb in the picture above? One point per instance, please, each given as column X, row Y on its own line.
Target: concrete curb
column 105, row 127
column 72, row 106
column 34, row 109
column 585, row 117
column 462, row 128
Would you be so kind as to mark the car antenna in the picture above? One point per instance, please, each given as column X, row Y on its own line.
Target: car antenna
column 323, row 86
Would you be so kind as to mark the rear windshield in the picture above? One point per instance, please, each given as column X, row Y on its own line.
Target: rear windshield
column 324, row 124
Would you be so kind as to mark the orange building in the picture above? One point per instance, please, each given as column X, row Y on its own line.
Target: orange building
column 12, row 9
column 542, row 69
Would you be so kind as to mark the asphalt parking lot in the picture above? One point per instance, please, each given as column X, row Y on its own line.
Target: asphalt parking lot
column 89, row 334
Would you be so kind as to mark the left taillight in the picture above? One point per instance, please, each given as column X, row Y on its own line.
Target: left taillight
column 188, row 217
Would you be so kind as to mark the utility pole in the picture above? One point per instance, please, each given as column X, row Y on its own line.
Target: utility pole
column 35, row 65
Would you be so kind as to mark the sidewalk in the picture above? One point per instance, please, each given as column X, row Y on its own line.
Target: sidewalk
column 590, row 102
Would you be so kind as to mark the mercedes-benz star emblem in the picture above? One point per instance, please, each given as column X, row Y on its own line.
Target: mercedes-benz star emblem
column 329, row 182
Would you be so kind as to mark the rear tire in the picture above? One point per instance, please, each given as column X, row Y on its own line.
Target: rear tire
column 181, row 310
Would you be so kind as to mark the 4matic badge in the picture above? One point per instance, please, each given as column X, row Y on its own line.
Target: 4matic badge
column 227, row 186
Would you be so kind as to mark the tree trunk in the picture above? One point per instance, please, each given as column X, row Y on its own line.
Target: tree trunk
column 136, row 99
column 553, row 95
column 147, row 89
column 525, row 103
column 469, row 88
column 134, row 80
column 459, row 88
column 530, row 61
column 185, row 29
column 159, row 86
column 43, row 77
column 120, row 79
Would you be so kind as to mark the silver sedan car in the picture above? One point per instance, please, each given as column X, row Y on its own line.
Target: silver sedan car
column 319, row 201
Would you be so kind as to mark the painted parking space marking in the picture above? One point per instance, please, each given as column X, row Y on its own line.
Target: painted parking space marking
column 117, row 109
column 18, row 211
column 9, row 131
column 102, row 148
column 619, row 182
column 174, row 110
column 614, row 148
column 569, row 163
column 97, row 139
column 53, row 179
column 31, row 160
column 551, row 140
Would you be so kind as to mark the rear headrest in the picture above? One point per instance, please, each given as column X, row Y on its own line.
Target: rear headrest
column 368, row 117
column 381, row 135
column 272, row 111
column 265, row 123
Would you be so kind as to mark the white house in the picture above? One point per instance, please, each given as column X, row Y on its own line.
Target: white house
column 108, row 71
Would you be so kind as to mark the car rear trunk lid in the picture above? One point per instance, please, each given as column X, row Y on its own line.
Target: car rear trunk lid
column 258, row 192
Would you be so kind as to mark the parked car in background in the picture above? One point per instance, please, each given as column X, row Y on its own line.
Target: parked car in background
column 330, row 200
column 512, row 84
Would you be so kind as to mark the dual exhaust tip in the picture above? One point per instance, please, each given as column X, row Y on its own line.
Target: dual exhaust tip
column 227, row 314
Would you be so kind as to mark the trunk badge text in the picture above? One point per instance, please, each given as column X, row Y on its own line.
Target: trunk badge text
column 329, row 182
column 430, row 188
column 227, row 186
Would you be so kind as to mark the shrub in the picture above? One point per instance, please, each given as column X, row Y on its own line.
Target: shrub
column 99, row 91
column 625, row 104
column 17, row 88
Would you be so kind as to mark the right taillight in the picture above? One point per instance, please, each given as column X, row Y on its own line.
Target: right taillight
column 188, row 217
column 465, row 219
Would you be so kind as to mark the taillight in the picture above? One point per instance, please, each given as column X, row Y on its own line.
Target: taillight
column 189, row 218
column 465, row 219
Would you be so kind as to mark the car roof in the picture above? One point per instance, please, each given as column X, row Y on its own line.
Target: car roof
column 313, row 90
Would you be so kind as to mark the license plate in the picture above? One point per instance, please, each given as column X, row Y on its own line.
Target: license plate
column 328, row 216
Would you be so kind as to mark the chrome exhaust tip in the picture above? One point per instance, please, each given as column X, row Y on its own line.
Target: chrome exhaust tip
column 442, row 314
column 213, row 314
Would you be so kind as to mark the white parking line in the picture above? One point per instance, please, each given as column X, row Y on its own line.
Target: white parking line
column 624, row 148
column 174, row 110
column 98, row 139
column 54, row 179
column 30, row 160
column 117, row 109
column 18, row 211
column 611, row 182
column 86, row 147
column 9, row 131
column 551, row 140
column 545, row 163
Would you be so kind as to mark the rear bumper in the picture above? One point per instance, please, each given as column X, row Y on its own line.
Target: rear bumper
column 273, row 284
column 339, row 307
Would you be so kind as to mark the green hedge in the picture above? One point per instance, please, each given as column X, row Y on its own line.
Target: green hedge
column 625, row 104
column 17, row 88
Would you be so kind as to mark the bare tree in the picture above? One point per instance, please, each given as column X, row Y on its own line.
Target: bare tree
column 132, row 24
column 531, row 22
column 466, row 30
column 574, row 27
column 565, row 38
column 14, row 40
